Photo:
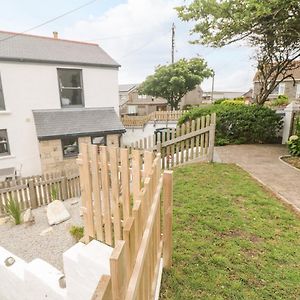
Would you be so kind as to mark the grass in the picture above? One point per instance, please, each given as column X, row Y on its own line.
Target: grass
column 77, row 232
column 14, row 210
column 232, row 239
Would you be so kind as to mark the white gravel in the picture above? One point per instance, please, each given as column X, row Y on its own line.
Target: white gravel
column 26, row 242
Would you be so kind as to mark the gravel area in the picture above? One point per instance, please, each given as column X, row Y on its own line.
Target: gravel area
column 26, row 242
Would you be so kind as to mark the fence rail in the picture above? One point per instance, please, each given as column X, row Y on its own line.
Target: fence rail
column 121, row 198
column 141, row 121
column 35, row 191
column 190, row 141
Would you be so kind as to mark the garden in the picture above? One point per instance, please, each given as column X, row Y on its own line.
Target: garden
column 232, row 238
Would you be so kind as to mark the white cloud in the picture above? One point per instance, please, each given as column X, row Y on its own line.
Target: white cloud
column 138, row 35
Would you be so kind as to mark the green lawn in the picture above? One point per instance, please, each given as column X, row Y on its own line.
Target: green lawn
column 232, row 239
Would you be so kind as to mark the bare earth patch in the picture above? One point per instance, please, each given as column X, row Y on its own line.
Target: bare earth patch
column 294, row 161
column 27, row 242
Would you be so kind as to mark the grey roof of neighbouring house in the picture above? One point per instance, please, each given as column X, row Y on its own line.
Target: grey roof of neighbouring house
column 127, row 87
column 53, row 123
column 31, row 48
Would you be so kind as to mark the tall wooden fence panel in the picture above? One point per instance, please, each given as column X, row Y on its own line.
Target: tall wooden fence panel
column 35, row 191
column 190, row 141
column 121, row 196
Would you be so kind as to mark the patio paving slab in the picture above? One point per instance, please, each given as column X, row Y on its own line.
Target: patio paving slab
column 263, row 163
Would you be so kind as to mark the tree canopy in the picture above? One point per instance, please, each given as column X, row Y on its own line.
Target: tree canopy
column 271, row 26
column 173, row 81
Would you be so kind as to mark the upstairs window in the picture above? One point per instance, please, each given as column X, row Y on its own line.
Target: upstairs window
column 70, row 146
column 99, row 140
column 70, row 86
column 2, row 104
column 279, row 90
column 4, row 146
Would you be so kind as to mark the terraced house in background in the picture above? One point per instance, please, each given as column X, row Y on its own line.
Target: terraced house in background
column 54, row 94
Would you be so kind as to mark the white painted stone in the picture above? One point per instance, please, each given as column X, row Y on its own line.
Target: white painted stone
column 42, row 281
column 46, row 231
column 84, row 266
column 28, row 216
column 57, row 213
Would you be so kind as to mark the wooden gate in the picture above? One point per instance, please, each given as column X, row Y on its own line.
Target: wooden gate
column 121, row 197
column 191, row 141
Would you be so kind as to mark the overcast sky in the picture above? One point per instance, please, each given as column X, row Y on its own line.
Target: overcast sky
column 136, row 33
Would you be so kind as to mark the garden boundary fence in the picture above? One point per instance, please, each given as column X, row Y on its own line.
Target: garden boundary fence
column 141, row 121
column 35, row 191
column 190, row 141
column 295, row 119
column 121, row 199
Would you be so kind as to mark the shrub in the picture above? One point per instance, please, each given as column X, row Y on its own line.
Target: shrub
column 54, row 193
column 14, row 210
column 76, row 232
column 240, row 124
column 294, row 145
column 233, row 102
column 280, row 101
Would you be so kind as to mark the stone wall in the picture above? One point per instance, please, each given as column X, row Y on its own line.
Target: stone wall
column 51, row 153
column 289, row 90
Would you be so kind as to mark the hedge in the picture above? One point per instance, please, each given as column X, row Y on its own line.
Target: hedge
column 240, row 124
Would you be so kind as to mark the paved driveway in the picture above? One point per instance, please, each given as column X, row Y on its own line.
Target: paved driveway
column 262, row 161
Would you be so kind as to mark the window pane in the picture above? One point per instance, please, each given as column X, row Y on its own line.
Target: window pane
column 71, row 97
column 4, row 146
column 69, row 78
column 2, row 104
column 99, row 140
column 70, row 146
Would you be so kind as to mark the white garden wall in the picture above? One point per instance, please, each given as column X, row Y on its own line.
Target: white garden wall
column 83, row 267
column 135, row 134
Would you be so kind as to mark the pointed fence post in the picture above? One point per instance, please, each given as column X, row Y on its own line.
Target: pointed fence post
column 212, row 133
column 168, row 217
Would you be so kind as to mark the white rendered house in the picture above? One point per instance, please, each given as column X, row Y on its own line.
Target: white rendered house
column 54, row 94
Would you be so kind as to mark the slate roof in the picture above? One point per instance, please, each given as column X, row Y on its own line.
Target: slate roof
column 32, row 48
column 54, row 123
column 295, row 72
column 127, row 87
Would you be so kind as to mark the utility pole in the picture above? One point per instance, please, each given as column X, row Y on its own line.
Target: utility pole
column 173, row 42
column 213, row 87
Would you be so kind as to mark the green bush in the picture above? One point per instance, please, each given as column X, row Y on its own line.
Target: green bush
column 14, row 210
column 280, row 101
column 238, row 100
column 233, row 102
column 294, row 145
column 77, row 232
column 240, row 124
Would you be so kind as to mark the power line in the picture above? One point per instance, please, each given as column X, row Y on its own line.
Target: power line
column 50, row 20
column 143, row 46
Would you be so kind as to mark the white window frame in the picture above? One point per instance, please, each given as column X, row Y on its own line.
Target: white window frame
column 4, row 142
column 142, row 96
column 131, row 109
column 297, row 90
column 281, row 89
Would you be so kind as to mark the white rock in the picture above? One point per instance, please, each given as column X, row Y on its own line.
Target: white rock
column 46, row 231
column 57, row 213
column 28, row 216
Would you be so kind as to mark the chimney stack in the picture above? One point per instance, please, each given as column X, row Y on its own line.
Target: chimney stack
column 55, row 34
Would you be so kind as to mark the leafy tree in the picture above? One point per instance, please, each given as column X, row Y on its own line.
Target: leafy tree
column 272, row 27
column 173, row 81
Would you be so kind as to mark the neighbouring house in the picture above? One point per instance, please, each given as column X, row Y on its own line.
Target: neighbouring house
column 208, row 98
column 133, row 103
column 54, row 94
column 289, row 87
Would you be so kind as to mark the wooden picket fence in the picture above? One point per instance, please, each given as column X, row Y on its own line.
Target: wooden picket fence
column 35, row 191
column 121, row 198
column 141, row 121
column 191, row 141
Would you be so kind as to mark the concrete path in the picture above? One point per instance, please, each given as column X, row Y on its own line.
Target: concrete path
column 262, row 162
